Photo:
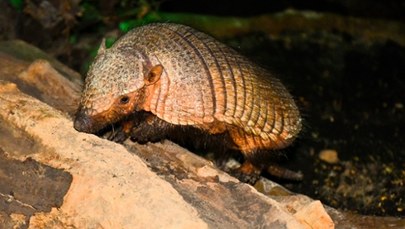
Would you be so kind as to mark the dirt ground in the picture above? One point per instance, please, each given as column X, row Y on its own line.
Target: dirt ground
column 351, row 96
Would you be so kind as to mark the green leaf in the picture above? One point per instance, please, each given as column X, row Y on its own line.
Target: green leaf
column 109, row 41
column 127, row 25
column 17, row 4
column 73, row 39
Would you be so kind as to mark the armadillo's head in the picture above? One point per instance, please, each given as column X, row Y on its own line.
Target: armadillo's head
column 114, row 88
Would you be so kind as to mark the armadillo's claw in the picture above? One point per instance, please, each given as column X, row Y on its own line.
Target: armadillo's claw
column 121, row 132
column 117, row 135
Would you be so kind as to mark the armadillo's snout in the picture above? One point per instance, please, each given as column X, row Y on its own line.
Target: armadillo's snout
column 82, row 122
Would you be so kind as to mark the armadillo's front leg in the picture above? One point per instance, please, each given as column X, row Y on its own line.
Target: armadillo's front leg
column 151, row 129
column 123, row 129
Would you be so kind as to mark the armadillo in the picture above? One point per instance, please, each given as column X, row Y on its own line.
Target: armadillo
column 179, row 76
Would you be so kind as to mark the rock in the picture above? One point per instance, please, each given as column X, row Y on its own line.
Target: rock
column 329, row 156
column 17, row 54
column 39, row 78
column 314, row 214
column 110, row 187
column 54, row 89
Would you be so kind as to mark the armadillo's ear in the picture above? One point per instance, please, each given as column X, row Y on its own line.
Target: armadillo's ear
column 102, row 47
column 153, row 75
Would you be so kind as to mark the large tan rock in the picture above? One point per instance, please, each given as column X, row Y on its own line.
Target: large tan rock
column 111, row 188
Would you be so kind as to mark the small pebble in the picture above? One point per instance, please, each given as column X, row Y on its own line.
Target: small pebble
column 399, row 105
column 329, row 156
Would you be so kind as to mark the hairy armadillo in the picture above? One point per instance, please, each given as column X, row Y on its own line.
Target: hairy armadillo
column 172, row 75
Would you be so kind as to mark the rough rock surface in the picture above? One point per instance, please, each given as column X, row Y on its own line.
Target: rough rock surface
column 111, row 188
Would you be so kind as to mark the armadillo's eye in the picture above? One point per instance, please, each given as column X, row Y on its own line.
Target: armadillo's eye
column 124, row 99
